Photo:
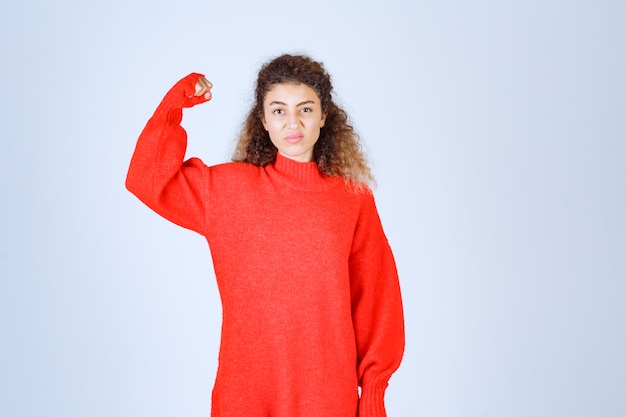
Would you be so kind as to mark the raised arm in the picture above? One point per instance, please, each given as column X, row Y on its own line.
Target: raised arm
column 376, row 310
column 157, row 174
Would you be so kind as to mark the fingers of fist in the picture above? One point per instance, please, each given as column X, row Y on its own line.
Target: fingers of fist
column 203, row 88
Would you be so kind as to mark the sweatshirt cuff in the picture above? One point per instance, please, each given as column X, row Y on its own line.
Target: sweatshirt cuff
column 181, row 95
column 372, row 401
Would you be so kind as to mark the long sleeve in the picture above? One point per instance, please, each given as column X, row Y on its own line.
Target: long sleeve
column 157, row 174
column 376, row 310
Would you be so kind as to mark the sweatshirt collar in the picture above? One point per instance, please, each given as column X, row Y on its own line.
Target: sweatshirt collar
column 303, row 174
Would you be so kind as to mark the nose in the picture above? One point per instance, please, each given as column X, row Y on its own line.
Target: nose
column 292, row 122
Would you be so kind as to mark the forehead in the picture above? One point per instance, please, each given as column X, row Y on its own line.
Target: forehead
column 290, row 93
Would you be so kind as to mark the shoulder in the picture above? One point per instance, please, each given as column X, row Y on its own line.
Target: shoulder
column 366, row 202
column 356, row 198
column 236, row 169
column 228, row 173
column 361, row 193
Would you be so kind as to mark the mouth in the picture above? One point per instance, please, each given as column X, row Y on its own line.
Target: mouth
column 294, row 137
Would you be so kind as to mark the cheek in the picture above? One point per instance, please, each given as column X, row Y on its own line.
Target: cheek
column 267, row 118
column 270, row 126
column 272, row 130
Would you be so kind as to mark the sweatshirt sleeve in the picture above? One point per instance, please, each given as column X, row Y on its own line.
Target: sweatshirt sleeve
column 377, row 311
column 157, row 174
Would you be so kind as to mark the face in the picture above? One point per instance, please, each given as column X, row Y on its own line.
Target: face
column 293, row 117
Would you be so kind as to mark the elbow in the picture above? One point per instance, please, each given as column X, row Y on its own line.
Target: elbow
column 135, row 185
column 141, row 186
column 131, row 183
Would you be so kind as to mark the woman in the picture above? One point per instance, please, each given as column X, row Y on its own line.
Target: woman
column 310, row 294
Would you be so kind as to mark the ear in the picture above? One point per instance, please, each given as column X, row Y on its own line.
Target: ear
column 262, row 117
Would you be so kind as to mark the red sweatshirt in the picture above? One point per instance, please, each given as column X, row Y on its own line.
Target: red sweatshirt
column 310, row 294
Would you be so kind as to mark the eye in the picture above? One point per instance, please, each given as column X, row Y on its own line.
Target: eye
column 278, row 112
column 306, row 110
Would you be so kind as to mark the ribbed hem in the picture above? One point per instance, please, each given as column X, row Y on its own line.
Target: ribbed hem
column 372, row 402
column 300, row 174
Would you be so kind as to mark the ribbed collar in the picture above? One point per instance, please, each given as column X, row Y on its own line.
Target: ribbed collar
column 301, row 174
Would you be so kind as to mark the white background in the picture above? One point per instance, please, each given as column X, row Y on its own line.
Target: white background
column 496, row 130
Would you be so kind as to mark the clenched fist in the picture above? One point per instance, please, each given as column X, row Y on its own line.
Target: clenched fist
column 203, row 87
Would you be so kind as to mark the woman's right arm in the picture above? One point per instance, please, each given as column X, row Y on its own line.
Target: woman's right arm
column 158, row 174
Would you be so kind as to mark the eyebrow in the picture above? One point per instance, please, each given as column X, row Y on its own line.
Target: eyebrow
column 280, row 103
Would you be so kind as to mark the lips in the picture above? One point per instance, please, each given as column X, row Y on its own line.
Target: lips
column 294, row 137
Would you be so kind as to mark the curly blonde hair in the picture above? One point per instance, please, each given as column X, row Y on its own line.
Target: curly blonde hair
column 337, row 152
